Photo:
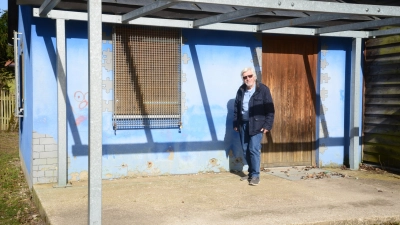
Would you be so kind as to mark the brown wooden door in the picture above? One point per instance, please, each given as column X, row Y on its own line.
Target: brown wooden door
column 289, row 69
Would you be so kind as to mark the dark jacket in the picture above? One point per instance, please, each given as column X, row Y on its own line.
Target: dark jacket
column 261, row 109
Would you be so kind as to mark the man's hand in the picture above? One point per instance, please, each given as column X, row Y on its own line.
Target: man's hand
column 235, row 128
column 264, row 130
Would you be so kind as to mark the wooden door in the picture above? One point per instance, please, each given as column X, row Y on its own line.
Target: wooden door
column 289, row 69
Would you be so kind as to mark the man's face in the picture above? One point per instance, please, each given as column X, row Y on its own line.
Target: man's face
column 249, row 79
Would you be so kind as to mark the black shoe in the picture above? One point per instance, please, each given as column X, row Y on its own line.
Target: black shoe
column 254, row 181
column 245, row 178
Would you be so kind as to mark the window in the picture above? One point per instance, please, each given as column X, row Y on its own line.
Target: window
column 147, row 77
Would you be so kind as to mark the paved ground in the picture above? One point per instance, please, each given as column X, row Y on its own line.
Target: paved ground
column 361, row 197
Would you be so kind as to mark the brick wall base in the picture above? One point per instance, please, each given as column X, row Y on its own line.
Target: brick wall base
column 44, row 169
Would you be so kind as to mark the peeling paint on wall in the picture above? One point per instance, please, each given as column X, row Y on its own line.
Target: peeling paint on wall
column 171, row 154
column 82, row 176
column 213, row 162
column 222, row 169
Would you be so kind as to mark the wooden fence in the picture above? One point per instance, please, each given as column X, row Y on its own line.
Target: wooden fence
column 7, row 102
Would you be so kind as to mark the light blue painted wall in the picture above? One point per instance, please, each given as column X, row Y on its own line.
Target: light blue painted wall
column 334, row 92
column 206, row 141
column 25, row 47
column 44, row 77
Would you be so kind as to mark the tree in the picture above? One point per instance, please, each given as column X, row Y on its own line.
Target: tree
column 6, row 53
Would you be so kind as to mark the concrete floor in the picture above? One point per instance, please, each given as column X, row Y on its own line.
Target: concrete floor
column 359, row 198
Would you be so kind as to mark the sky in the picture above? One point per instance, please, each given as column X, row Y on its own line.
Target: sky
column 3, row 5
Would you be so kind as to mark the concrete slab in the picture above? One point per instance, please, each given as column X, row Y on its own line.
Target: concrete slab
column 223, row 199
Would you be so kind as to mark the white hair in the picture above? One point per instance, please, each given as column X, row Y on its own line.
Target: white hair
column 247, row 69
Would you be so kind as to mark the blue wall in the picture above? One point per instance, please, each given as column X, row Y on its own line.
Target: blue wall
column 206, row 142
column 334, row 101
column 211, row 65
column 25, row 47
column 44, row 79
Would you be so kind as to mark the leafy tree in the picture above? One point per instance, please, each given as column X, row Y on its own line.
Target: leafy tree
column 6, row 52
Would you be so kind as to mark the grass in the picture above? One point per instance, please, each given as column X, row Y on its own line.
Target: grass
column 16, row 206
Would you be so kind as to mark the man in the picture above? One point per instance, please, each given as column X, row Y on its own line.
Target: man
column 253, row 116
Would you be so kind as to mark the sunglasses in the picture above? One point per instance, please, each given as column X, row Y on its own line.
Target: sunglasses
column 248, row 76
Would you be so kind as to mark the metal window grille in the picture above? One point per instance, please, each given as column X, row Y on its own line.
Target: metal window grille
column 147, row 77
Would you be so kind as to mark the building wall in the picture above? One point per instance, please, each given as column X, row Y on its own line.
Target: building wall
column 334, row 101
column 332, row 97
column 211, row 65
column 44, row 97
column 25, row 50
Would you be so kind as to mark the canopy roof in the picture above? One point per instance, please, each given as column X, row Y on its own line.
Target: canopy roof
column 298, row 17
column 350, row 18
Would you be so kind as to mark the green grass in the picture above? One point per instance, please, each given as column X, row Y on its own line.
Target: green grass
column 16, row 205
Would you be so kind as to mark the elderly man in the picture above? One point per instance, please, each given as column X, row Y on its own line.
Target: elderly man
column 253, row 116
